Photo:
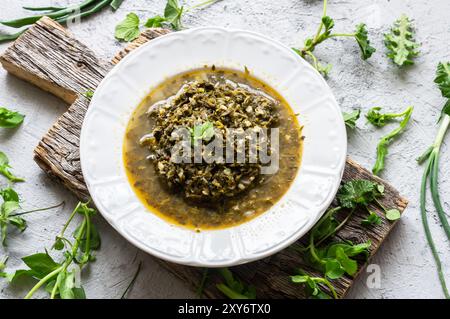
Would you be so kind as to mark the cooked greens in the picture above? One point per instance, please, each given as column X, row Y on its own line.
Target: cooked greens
column 203, row 107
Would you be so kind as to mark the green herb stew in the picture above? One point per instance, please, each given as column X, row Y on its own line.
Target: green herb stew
column 210, row 103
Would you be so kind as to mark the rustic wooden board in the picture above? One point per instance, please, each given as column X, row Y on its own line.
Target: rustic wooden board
column 50, row 58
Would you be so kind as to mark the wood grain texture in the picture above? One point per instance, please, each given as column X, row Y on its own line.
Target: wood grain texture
column 49, row 57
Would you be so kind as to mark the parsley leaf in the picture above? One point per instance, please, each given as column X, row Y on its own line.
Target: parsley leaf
column 400, row 42
column 382, row 147
column 128, row 29
column 358, row 192
column 363, row 41
column 10, row 119
column 4, row 169
column 351, row 118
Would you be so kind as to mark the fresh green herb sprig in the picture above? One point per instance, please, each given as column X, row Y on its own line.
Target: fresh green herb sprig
column 10, row 119
column 5, row 169
column 59, row 14
column 313, row 285
column 234, row 288
column 129, row 29
column 378, row 119
column 324, row 32
column 350, row 118
column 400, row 42
column 9, row 215
column 59, row 278
column 431, row 172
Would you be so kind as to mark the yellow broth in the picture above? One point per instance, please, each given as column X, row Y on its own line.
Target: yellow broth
column 171, row 205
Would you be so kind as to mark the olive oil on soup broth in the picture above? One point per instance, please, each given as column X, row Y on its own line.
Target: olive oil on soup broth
column 173, row 202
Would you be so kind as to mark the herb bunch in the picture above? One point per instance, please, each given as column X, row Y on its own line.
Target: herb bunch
column 324, row 32
column 129, row 29
column 400, row 42
column 375, row 117
column 60, row 279
column 431, row 172
column 59, row 14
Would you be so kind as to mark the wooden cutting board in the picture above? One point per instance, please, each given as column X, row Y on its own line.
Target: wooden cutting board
column 50, row 58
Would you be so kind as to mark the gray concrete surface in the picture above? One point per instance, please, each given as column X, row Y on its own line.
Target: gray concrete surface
column 407, row 268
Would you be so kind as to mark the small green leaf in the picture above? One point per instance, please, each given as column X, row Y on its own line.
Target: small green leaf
column 350, row 266
column 10, row 119
column 19, row 222
column 155, row 22
column 203, row 131
column 89, row 94
column 351, row 118
column 128, row 29
column 40, row 264
column 393, row 214
column 363, row 41
column 4, row 169
column 9, row 195
column 372, row 219
column 333, row 269
column 400, row 42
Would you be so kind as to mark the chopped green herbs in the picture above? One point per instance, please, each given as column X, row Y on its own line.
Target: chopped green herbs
column 324, row 32
column 59, row 278
column 234, row 288
column 5, row 169
column 351, row 118
column 380, row 120
column 400, row 42
column 431, row 173
column 10, row 119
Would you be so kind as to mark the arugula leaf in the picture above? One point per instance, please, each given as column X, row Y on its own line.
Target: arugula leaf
column 351, row 118
column 203, row 132
column 4, row 169
column 155, row 22
column 128, row 29
column 115, row 4
column 358, row 192
column 372, row 219
column 10, row 119
column 172, row 14
column 382, row 147
column 400, row 42
column 233, row 288
column 443, row 78
column 363, row 41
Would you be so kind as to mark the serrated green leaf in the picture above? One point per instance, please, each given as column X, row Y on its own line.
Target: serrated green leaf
column 128, row 29
column 400, row 42
column 357, row 192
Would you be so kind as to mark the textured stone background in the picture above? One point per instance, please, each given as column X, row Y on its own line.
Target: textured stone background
column 407, row 268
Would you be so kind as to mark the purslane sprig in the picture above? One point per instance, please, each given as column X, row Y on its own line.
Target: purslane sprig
column 324, row 32
column 129, row 29
column 59, row 14
column 378, row 119
column 400, row 42
column 431, row 172
column 60, row 278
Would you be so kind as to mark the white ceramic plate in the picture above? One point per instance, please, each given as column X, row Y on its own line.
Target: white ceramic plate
column 133, row 78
